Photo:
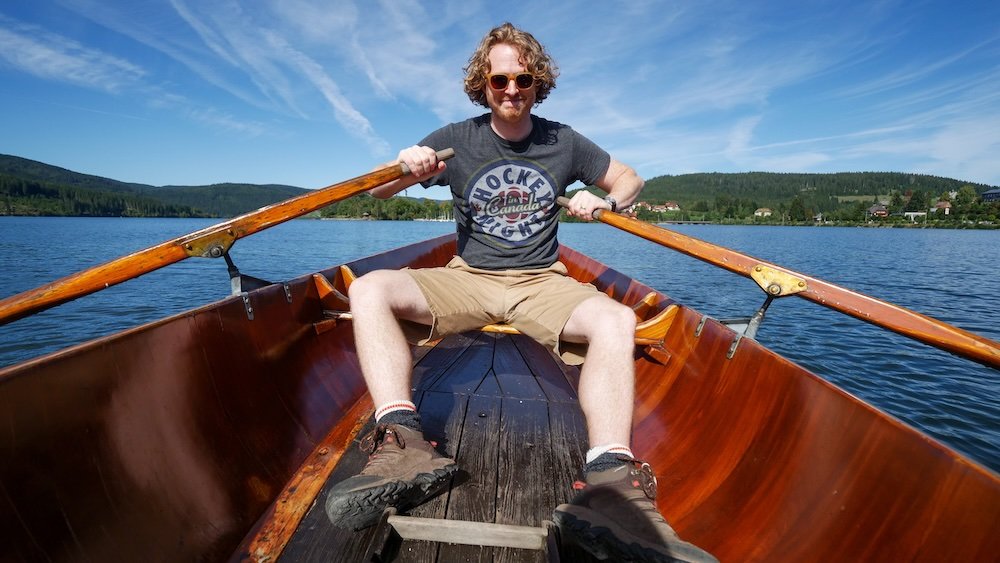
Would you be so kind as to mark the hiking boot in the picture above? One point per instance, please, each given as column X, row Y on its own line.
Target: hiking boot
column 403, row 471
column 614, row 517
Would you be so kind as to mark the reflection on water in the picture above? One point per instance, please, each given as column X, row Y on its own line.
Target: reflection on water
column 950, row 275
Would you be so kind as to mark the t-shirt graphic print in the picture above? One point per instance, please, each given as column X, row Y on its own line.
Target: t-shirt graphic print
column 510, row 200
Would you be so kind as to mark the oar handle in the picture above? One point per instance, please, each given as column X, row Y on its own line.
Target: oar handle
column 443, row 154
column 564, row 202
column 211, row 241
column 887, row 315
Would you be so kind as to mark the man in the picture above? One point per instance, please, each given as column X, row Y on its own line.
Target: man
column 508, row 170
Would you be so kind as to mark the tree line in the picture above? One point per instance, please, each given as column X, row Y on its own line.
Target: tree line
column 397, row 208
column 19, row 196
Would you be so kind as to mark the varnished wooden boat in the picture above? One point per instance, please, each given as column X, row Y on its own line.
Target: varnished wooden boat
column 211, row 435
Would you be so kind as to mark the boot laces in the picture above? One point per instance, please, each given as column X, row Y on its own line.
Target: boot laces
column 640, row 476
column 382, row 433
column 643, row 478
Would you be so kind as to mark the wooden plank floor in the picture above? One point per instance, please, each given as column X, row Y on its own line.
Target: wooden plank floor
column 505, row 409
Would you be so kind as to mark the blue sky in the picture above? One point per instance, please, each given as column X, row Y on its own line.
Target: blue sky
column 310, row 92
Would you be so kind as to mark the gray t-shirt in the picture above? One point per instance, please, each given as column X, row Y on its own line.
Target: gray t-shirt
column 504, row 193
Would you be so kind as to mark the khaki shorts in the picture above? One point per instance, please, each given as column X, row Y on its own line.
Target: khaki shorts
column 538, row 303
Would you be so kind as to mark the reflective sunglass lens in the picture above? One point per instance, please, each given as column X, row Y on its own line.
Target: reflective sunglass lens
column 522, row 81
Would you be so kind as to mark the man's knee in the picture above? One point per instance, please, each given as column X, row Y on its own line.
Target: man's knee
column 377, row 288
column 606, row 319
column 368, row 286
column 621, row 319
column 391, row 290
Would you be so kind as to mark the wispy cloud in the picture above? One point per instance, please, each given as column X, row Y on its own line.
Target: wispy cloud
column 54, row 57
column 246, row 54
column 275, row 65
column 161, row 30
column 912, row 73
column 351, row 119
column 225, row 121
column 403, row 57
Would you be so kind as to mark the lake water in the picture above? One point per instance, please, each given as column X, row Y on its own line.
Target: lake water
column 953, row 276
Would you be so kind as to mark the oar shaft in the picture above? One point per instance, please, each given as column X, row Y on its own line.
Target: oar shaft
column 208, row 241
column 869, row 309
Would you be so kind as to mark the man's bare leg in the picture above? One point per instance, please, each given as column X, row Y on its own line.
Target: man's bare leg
column 403, row 469
column 607, row 379
column 378, row 299
column 614, row 515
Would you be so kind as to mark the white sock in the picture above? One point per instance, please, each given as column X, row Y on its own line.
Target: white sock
column 596, row 451
column 394, row 406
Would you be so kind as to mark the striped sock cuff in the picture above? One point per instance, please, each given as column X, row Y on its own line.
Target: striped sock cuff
column 393, row 407
column 618, row 449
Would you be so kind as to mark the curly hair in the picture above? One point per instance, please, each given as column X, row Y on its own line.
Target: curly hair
column 534, row 57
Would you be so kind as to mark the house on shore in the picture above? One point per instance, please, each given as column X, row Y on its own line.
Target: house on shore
column 655, row 208
column 878, row 210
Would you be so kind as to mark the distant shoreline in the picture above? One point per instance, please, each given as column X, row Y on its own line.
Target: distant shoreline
column 983, row 226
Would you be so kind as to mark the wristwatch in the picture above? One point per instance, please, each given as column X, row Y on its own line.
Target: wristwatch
column 611, row 201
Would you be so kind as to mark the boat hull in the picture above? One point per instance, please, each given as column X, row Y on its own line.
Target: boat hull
column 192, row 438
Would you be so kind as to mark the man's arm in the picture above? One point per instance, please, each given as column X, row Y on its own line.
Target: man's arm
column 620, row 182
column 422, row 162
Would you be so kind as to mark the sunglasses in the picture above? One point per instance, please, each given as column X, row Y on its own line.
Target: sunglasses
column 523, row 81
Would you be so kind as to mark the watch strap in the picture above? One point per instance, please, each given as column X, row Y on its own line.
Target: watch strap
column 612, row 202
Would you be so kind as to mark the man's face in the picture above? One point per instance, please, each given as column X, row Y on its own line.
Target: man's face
column 511, row 104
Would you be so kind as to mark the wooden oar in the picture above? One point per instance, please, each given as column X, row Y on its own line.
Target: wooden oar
column 869, row 309
column 211, row 241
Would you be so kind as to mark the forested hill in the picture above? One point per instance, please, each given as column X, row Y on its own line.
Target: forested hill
column 225, row 200
column 769, row 189
column 28, row 187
